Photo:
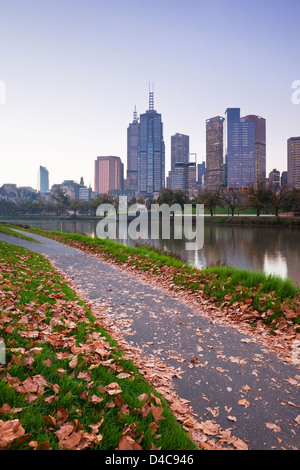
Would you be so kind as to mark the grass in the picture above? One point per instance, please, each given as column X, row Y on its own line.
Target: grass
column 6, row 229
column 64, row 372
column 250, row 296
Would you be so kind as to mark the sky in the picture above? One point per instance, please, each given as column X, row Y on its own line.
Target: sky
column 71, row 72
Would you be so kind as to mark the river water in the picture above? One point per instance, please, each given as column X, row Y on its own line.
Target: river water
column 273, row 250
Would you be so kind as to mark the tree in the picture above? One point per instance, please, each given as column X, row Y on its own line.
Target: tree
column 293, row 202
column 210, row 199
column 258, row 197
column 102, row 199
column 279, row 199
column 170, row 197
column 61, row 199
column 233, row 198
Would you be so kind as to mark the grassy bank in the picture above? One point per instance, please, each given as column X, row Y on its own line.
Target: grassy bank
column 66, row 384
column 243, row 294
column 292, row 222
column 7, row 231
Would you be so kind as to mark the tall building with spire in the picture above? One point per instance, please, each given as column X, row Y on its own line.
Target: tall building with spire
column 133, row 133
column 151, row 151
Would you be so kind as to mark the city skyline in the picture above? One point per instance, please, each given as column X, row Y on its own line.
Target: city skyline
column 71, row 75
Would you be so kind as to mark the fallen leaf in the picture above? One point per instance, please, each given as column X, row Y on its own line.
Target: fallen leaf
column 127, row 443
column 274, row 427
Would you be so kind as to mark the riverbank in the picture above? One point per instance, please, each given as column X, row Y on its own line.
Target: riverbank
column 243, row 295
column 218, row 219
column 66, row 384
column 262, row 220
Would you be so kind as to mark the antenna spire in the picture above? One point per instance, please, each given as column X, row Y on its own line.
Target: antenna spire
column 151, row 97
column 135, row 115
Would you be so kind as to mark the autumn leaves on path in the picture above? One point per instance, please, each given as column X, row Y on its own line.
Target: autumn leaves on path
column 235, row 392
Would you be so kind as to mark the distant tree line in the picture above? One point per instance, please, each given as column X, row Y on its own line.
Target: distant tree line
column 263, row 198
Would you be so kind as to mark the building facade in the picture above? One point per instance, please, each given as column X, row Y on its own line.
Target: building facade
column 151, row 152
column 245, row 149
column 260, row 146
column 201, row 171
column 293, row 151
column 214, row 178
column 43, row 180
column 109, row 174
column 133, row 134
column 274, row 178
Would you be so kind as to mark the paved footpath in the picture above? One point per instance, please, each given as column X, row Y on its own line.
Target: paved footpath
column 227, row 376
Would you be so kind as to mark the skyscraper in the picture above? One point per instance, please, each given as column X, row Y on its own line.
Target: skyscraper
column 43, row 180
column 214, row 153
column 180, row 148
column 233, row 150
column 109, row 174
column 133, row 133
column 260, row 146
column 151, row 151
column 246, row 149
column 293, row 149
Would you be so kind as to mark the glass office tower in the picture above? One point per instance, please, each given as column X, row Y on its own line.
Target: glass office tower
column 43, row 180
column 151, row 152
column 246, row 149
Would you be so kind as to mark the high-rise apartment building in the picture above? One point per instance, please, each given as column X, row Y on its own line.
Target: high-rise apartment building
column 245, row 149
column 151, row 152
column 109, row 174
column 214, row 178
column 43, row 180
column 293, row 151
column 133, row 133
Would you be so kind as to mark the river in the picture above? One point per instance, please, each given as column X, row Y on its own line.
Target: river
column 273, row 250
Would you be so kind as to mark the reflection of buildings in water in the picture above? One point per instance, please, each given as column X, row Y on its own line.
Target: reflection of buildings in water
column 275, row 264
column 266, row 249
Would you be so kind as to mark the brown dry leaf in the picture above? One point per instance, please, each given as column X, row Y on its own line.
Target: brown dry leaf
column 239, row 444
column 85, row 375
column 145, row 410
column 157, row 412
column 9, row 431
column 274, row 427
column 244, row 403
column 113, row 388
column 231, row 418
column 210, row 428
column 95, row 399
column 73, row 362
column 7, row 409
column 127, row 443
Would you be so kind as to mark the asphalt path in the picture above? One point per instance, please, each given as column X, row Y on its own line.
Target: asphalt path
column 227, row 376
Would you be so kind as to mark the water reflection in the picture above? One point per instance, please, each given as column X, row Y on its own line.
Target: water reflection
column 267, row 249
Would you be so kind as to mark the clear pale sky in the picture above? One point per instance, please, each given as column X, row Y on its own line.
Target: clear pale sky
column 74, row 70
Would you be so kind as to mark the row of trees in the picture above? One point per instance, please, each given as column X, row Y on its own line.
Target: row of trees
column 262, row 198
